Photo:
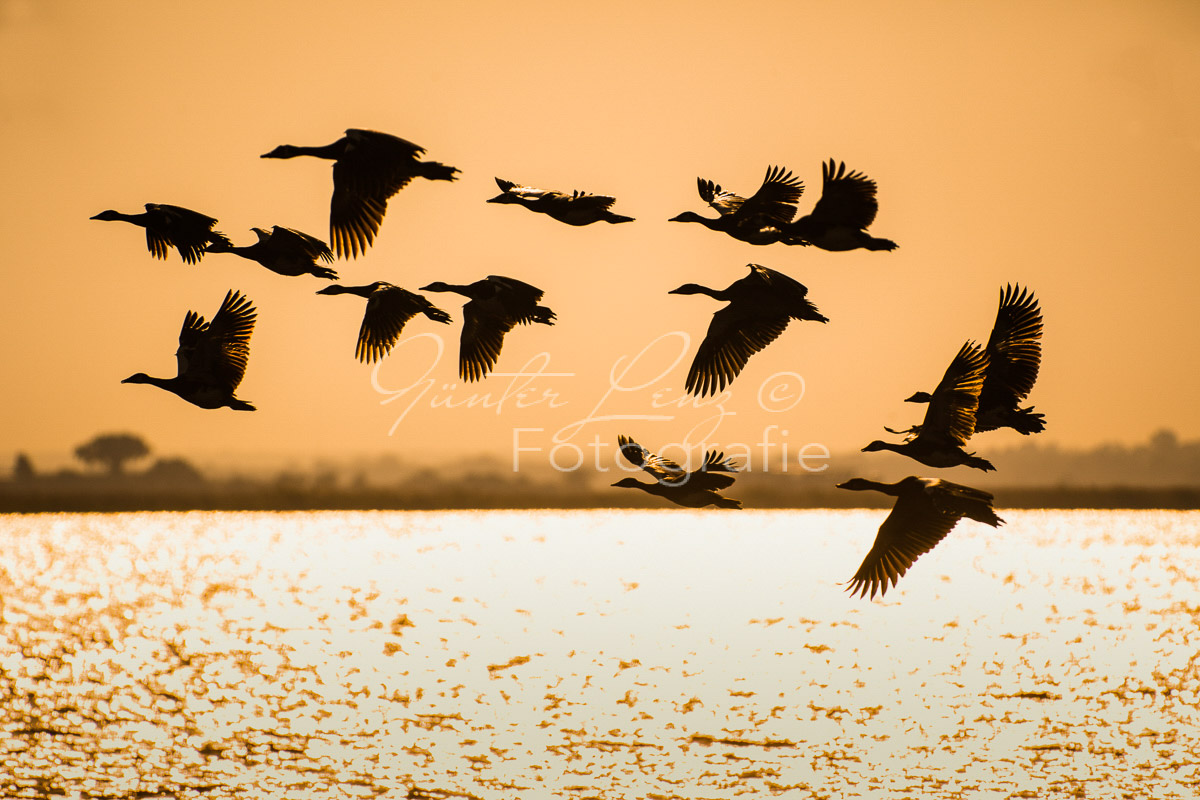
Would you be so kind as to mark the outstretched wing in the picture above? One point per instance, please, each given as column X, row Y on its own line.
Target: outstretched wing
column 725, row 203
column 664, row 470
column 954, row 402
column 846, row 198
column 1014, row 349
column 187, row 231
column 913, row 528
column 216, row 354
column 388, row 309
column 775, row 201
column 373, row 167
column 736, row 332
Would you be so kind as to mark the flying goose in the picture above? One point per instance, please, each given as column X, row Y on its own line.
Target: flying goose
column 950, row 419
column 839, row 219
column 760, row 219
column 285, row 251
column 211, row 356
column 369, row 167
column 189, row 232
column 695, row 489
column 760, row 306
column 497, row 304
column 925, row 511
column 388, row 309
column 577, row 208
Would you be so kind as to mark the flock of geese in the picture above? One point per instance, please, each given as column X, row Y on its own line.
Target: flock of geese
column 981, row 390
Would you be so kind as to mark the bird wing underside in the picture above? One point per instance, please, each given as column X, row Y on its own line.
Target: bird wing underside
column 913, row 528
column 951, row 411
column 846, row 198
column 373, row 167
column 733, row 336
column 481, row 340
column 187, row 231
column 664, row 470
column 388, row 309
column 724, row 202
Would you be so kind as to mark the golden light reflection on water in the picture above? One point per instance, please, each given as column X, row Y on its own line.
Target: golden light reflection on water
column 595, row 654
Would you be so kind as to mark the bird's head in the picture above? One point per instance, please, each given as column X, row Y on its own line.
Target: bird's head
column 137, row 377
column 856, row 484
column 687, row 216
column 283, row 151
column 628, row 483
column 919, row 397
column 437, row 286
column 690, row 288
column 505, row 198
column 874, row 446
column 108, row 215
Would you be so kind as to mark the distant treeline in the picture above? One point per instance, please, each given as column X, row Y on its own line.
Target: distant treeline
column 497, row 491
column 1163, row 473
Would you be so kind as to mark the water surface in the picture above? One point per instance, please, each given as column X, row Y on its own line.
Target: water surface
column 595, row 654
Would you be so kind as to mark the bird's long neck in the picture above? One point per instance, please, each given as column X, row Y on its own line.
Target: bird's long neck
column 337, row 288
column 695, row 288
column 219, row 246
column 331, row 151
column 887, row 488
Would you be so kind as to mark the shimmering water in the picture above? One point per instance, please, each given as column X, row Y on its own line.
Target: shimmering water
column 595, row 655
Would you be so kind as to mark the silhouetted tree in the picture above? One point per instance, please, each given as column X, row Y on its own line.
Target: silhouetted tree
column 112, row 450
column 175, row 471
column 23, row 468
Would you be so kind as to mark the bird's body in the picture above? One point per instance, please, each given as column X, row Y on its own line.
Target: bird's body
column 167, row 226
column 577, row 208
column 926, row 509
column 760, row 306
column 284, row 251
column 497, row 304
column 690, row 489
column 211, row 356
column 839, row 220
column 369, row 167
column 761, row 219
column 950, row 419
column 388, row 309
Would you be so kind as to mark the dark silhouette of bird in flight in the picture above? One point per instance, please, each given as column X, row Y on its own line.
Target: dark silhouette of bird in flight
column 577, row 208
column 695, row 489
column 950, row 419
column 368, row 168
column 388, row 309
column 497, row 304
column 211, row 356
column 189, row 232
column 760, row 306
column 839, row 219
column 284, row 251
column 925, row 511
column 761, row 219
column 1014, row 352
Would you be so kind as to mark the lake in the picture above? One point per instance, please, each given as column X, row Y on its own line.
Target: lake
column 596, row 654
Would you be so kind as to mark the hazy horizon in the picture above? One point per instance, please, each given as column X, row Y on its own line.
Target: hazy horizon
column 1049, row 145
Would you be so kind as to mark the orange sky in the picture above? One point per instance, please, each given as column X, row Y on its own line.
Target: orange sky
column 1052, row 144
